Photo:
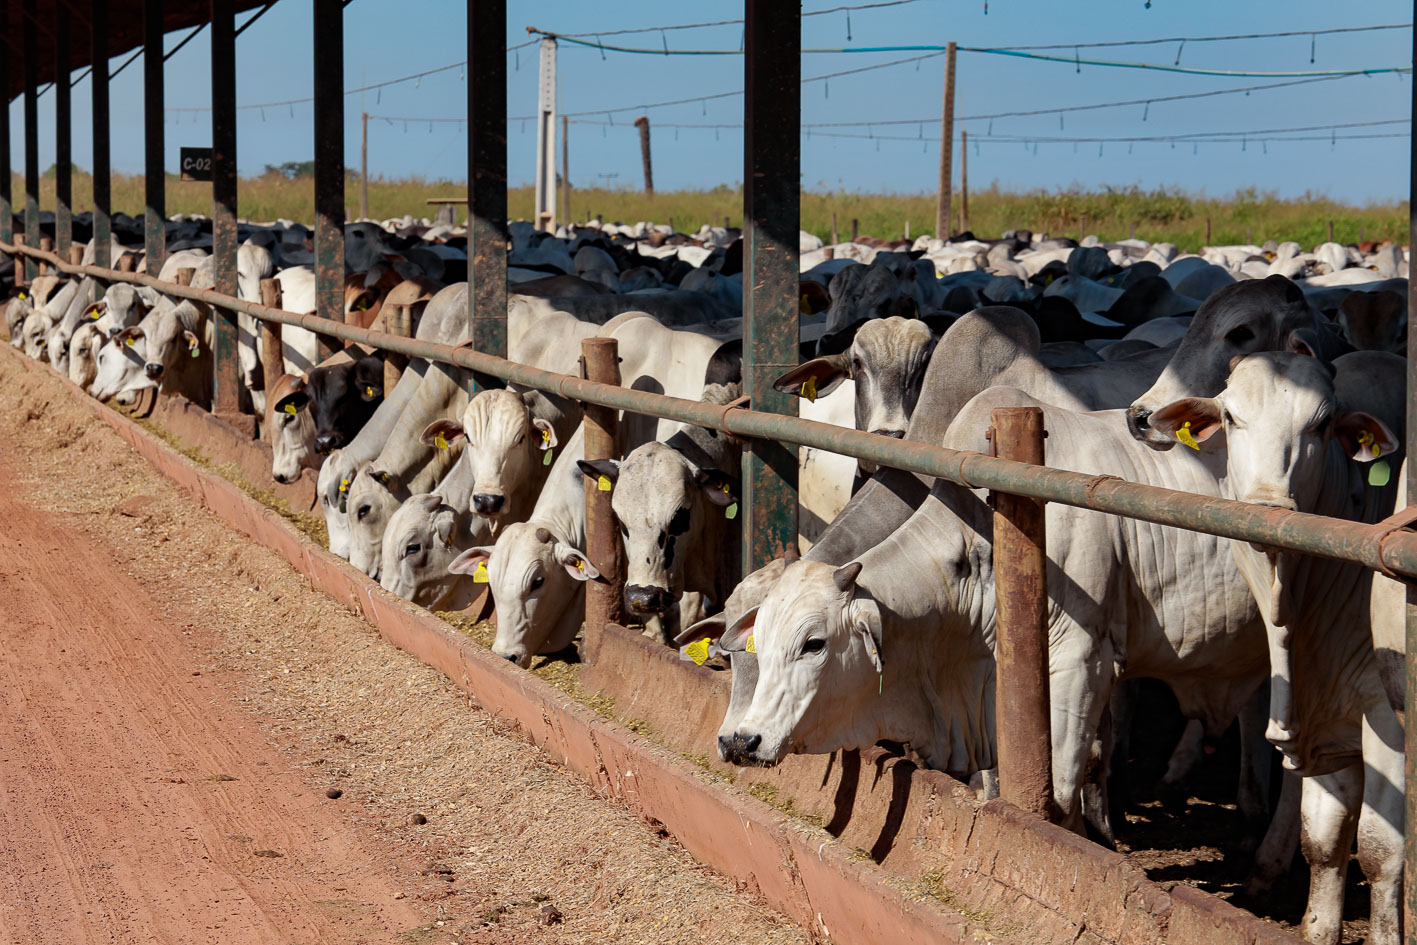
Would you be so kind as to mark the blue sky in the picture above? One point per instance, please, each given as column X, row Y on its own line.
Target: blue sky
column 386, row 39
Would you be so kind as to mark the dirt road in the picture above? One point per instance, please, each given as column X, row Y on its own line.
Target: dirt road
column 175, row 703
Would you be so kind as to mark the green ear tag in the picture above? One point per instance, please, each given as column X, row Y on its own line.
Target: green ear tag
column 1379, row 473
column 546, row 457
column 731, row 512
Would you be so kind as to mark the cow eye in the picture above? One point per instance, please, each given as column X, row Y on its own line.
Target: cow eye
column 1321, row 428
column 519, row 439
column 363, row 511
column 624, row 532
column 1240, row 336
column 855, row 365
column 412, row 549
column 814, row 645
column 536, row 582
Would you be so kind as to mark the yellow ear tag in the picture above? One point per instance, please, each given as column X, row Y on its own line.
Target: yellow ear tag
column 23, row 296
column 93, row 314
column 1185, row 436
column 751, row 647
column 440, row 441
column 130, row 342
column 480, row 575
column 809, row 390
column 603, row 483
column 290, row 409
column 1366, row 439
column 363, row 305
column 698, row 651
column 804, row 307
column 369, row 392
column 344, row 485
column 580, row 564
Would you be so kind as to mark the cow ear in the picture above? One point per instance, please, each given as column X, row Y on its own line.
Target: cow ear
column 709, row 629
column 865, row 618
column 576, row 564
column 365, row 300
column 720, row 489
column 369, row 378
column 1303, row 342
column 293, row 402
column 906, row 306
column 470, row 560
column 547, row 432
column 193, row 345
column 128, row 336
column 738, row 637
column 816, row 378
column 1364, row 436
column 1201, row 413
column 595, row 469
column 441, row 433
column 386, row 479
column 97, row 310
column 812, row 297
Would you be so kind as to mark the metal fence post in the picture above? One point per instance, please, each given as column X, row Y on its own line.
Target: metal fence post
column 63, row 132
column 226, row 392
column 487, row 182
column 1409, row 866
column 272, row 361
column 601, row 357
column 155, row 187
column 31, row 110
column 329, row 164
column 771, row 217
column 1021, row 590
column 98, row 82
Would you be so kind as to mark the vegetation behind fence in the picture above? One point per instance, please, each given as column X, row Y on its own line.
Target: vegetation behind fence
column 1160, row 214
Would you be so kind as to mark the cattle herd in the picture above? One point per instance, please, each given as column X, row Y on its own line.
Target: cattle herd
column 1280, row 373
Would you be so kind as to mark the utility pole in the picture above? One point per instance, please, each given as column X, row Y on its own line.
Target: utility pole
column 947, row 137
column 566, row 168
column 364, row 166
column 546, row 138
column 963, row 181
column 642, row 123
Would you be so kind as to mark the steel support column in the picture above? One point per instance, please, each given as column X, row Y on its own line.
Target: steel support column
column 63, row 132
column 155, row 186
column 27, row 31
column 1409, row 886
column 7, row 209
column 226, row 392
column 329, row 162
column 771, row 216
column 487, row 181
column 98, row 79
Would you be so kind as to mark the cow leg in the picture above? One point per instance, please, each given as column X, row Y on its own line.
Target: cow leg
column 1280, row 731
column 1078, row 693
column 1096, row 804
column 1381, row 821
column 1276, row 852
column 1328, row 822
column 1121, row 708
column 1184, row 757
column 1256, row 757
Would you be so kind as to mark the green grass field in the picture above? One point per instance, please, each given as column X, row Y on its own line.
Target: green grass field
column 1161, row 214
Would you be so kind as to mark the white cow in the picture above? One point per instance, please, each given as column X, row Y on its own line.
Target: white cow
column 1297, row 438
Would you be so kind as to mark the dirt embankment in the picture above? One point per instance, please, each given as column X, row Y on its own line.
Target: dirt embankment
column 175, row 704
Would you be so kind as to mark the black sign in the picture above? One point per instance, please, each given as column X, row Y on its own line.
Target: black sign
column 196, row 163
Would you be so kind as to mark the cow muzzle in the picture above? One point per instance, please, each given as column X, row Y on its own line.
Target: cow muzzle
column 737, row 749
column 324, row 442
column 485, row 503
column 893, row 434
column 1137, row 422
column 153, row 370
column 647, row 601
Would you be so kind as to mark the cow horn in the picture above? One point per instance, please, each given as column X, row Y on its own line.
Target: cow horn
column 845, row 576
column 543, row 536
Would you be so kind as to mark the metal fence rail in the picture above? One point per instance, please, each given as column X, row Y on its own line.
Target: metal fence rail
column 1383, row 547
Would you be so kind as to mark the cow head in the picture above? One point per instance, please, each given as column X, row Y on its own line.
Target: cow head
column 120, row 365
column 418, row 547
column 342, row 396
column 289, row 427
column 16, row 310
column 336, row 475
column 38, row 324
column 1374, row 321
column 169, row 340
column 817, row 637
column 662, row 502
column 858, row 294
column 505, row 443
column 121, row 307
column 534, row 579
column 374, row 496
column 83, row 354
column 1239, row 319
column 886, row 360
